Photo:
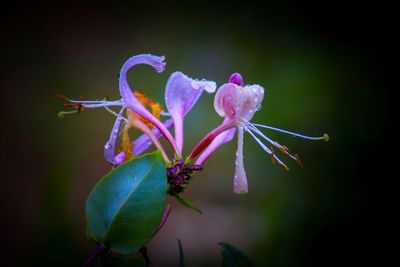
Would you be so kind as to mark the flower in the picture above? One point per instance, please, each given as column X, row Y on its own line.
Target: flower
column 234, row 101
column 181, row 94
column 237, row 103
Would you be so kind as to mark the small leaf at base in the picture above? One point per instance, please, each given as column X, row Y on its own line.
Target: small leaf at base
column 185, row 202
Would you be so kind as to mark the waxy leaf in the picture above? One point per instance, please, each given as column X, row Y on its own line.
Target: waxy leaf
column 233, row 257
column 126, row 206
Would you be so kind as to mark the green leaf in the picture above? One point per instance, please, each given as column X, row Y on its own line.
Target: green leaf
column 181, row 255
column 185, row 202
column 233, row 257
column 126, row 206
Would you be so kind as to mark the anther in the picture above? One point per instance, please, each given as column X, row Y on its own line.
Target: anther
column 273, row 155
column 284, row 166
column 298, row 161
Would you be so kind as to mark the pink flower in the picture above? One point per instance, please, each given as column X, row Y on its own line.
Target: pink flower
column 237, row 103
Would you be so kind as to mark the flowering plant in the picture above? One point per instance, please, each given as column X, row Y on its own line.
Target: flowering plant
column 127, row 207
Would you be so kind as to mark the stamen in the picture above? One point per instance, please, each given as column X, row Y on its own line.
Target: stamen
column 284, row 166
column 324, row 137
column 144, row 128
column 115, row 114
column 265, row 147
column 61, row 114
column 273, row 154
column 298, row 161
column 163, row 113
column 284, row 149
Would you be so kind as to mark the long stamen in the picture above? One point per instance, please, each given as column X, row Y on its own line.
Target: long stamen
column 79, row 105
column 99, row 105
column 96, row 101
column 143, row 127
column 284, row 149
column 61, row 114
column 266, row 148
column 115, row 114
column 324, row 137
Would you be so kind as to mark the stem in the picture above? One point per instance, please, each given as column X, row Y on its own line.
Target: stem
column 143, row 127
column 94, row 254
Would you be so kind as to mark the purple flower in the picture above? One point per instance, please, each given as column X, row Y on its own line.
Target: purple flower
column 181, row 94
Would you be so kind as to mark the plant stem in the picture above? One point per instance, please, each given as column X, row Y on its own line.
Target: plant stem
column 93, row 255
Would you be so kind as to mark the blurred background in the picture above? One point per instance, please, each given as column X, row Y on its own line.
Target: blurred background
column 324, row 68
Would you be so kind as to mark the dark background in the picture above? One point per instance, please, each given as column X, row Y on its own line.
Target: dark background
column 325, row 68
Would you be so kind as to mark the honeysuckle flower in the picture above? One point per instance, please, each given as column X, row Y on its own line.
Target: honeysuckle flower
column 237, row 103
column 181, row 94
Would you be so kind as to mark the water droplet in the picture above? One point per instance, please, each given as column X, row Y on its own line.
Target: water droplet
column 195, row 85
column 107, row 146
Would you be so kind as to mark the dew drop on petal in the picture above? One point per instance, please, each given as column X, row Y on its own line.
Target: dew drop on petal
column 107, row 146
column 195, row 85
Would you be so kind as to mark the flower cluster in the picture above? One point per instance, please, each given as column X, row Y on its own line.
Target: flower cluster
column 234, row 101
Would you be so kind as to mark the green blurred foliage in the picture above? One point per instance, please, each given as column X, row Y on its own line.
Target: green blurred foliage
column 323, row 68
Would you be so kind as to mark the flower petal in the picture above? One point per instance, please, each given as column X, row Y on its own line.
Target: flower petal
column 240, row 185
column 181, row 93
column 225, row 100
column 133, row 103
column 221, row 139
column 109, row 147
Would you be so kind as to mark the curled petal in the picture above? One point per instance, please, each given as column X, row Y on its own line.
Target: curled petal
column 133, row 103
column 181, row 93
column 109, row 147
column 221, row 139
